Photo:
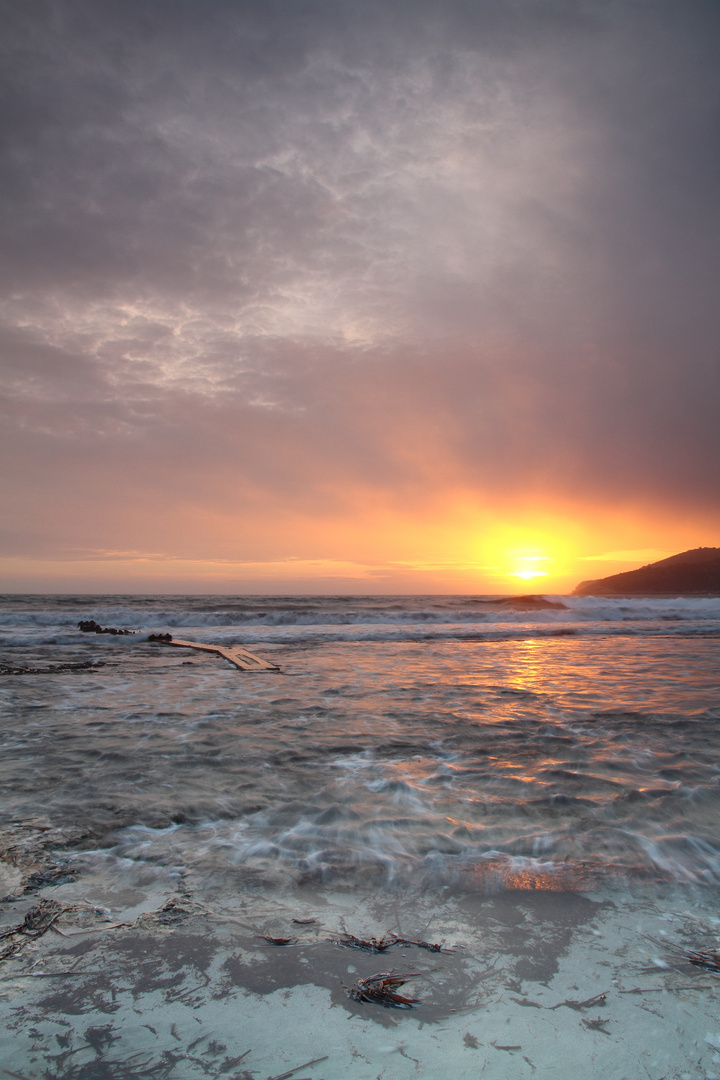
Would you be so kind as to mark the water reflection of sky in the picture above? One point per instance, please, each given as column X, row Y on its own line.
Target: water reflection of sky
column 563, row 751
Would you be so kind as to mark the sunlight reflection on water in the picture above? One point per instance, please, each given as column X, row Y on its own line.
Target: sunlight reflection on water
column 518, row 763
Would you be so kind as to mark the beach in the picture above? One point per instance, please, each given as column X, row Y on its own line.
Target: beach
column 191, row 992
column 527, row 799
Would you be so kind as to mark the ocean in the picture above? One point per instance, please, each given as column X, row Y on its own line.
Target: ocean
column 453, row 770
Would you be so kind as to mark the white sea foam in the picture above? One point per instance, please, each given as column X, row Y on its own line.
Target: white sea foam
column 151, row 613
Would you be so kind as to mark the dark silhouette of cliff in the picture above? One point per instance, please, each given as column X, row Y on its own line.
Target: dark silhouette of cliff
column 691, row 573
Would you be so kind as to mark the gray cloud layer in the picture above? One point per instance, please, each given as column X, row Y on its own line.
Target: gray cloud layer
column 322, row 247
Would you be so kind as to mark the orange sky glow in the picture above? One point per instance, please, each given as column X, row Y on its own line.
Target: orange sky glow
column 357, row 302
column 456, row 550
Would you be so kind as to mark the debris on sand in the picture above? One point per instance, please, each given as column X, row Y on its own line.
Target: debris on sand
column 380, row 990
column 381, row 945
column 370, row 945
column 50, row 873
column 37, row 922
column 708, row 960
column 429, row 945
column 589, row 1003
column 305, row 1065
column 597, row 1024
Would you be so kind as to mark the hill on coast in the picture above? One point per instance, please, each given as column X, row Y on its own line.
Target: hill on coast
column 691, row 573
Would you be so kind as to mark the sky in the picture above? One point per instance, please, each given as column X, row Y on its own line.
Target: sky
column 357, row 296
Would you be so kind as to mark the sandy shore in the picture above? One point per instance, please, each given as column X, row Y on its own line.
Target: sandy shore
column 187, row 987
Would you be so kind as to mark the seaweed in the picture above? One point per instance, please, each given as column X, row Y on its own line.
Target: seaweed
column 49, row 874
column 136, row 1067
column 305, row 1065
column 429, row 945
column 370, row 945
column 710, row 961
column 37, row 921
column 596, row 1024
column 589, row 1003
column 380, row 990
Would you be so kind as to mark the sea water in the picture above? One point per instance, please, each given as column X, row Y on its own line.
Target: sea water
column 413, row 752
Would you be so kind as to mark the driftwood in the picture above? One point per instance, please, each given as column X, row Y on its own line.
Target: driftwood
column 238, row 656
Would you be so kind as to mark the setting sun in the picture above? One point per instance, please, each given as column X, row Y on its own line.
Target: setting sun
column 528, row 566
column 540, row 547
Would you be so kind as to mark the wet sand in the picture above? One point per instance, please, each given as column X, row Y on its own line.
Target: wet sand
column 188, row 987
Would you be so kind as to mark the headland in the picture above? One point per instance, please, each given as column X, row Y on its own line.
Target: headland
column 691, row 573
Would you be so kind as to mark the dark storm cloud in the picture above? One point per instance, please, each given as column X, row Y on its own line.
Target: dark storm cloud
column 388, row 245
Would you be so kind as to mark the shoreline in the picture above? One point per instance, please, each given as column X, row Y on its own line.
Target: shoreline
column 155, row 974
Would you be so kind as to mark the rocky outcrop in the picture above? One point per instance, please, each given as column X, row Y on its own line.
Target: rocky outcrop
column 691, row 573
column 89, row 626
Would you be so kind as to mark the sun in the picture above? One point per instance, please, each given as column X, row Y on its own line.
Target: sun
column 527, row 564
column 522, row 556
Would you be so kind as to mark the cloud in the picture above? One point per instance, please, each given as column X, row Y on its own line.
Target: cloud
column 269, row 259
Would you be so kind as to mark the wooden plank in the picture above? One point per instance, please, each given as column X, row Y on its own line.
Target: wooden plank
column 237, row 655
column 194, row 645
column 239, row 661
column 248, row 661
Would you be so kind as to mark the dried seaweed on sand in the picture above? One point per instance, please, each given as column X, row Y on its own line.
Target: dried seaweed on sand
column 380, row 990
column 305, row 1065
column 429, row 945
column 371, row 945
column 710, row 961
column 589, row 1003
column 37, row 921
